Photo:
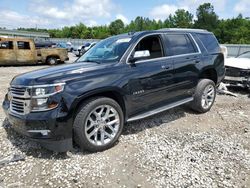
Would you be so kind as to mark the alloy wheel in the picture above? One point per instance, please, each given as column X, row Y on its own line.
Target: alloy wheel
column 208, row 97
column 102, row 125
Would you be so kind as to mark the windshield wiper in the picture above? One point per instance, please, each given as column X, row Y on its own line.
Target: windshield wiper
column 91, row 61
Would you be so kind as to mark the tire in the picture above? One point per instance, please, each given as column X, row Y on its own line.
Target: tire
column 52, row 61
column 203, row 102
column 93, row 134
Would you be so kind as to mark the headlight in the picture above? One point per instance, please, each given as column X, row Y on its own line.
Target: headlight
column 47, row 90
column 41, row 96
column 40, row 92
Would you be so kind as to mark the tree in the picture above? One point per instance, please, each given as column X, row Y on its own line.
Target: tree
column 181, row 19
column 233, row 30
column 116, row 27
column 206, row 17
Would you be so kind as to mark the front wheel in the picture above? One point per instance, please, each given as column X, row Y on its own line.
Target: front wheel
column 98, row 124
column 204, row 96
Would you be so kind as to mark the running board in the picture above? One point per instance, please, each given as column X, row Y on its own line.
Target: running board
column 161, row 109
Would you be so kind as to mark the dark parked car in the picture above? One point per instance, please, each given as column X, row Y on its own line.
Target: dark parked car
column 121, row 79
column 44, row 44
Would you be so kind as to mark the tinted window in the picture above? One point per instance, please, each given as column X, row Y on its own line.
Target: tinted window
column 6, row 45
column 152, row 44
column 178, row 44
column 23, row 45
column 210, row 42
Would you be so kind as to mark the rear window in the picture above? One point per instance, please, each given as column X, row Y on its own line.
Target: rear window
column 6, row 45
column 23, row 45
column 178, row 44
column 210, row 42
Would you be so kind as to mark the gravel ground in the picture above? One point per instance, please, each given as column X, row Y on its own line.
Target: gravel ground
column 177, row 148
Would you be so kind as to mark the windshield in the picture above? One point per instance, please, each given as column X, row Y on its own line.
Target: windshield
column 108, row 50
column 244, row 55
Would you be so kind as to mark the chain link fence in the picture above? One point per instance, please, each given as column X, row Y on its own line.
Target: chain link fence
column 236, row 49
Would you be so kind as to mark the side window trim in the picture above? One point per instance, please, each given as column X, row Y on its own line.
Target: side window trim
column 194, row 42
column 161, row 39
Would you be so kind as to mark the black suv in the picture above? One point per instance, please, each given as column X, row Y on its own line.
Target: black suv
column 121, row 79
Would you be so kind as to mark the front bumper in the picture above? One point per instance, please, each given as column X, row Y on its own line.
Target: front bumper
column 46, row 128
column 237, row 81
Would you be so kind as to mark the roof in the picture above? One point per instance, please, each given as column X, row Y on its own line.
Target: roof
column 164, row 30
column 184, row 30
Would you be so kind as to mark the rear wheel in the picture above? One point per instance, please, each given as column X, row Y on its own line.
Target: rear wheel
column 98, row 124
column 52, row 61
column 204, row 96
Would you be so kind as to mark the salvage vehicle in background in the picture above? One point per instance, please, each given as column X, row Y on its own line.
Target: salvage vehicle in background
column 121, row 79
column 83, row 49
column 238, row 70
column 17, row 51
column 87, row 47
column 67, row 46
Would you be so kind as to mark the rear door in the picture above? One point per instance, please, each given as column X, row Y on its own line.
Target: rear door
column 25, row 52
column 186, row 56
column 7, row 52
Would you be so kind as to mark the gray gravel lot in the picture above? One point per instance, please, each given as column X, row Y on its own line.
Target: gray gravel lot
column 177, row 148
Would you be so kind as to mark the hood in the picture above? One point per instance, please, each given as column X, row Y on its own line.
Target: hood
column 60, row 73
column 241, row 63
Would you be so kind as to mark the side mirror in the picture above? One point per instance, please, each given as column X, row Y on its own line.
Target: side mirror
column 139, row 55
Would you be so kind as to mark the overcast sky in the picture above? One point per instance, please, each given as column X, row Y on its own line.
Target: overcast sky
column 59, row 13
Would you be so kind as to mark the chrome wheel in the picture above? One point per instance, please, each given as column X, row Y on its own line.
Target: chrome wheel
column 102, row 125
column 208, row 97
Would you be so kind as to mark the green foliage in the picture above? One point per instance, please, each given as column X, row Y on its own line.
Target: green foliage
column 206, row 17
column 116, row 27
column 181, row 19
column 235, row 30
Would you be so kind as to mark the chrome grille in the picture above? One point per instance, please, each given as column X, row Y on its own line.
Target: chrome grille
column 19, row 100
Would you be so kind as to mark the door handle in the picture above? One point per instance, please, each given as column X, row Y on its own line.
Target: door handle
column 196, row 61
column 165, row 67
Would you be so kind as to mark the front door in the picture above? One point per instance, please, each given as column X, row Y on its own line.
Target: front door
column 150, row 78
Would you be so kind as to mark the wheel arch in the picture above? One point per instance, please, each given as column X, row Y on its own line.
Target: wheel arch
column 112, row 93
column 49, row 56
column 209, row 73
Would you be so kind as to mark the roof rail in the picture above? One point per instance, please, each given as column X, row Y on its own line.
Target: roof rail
column 180, row 29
